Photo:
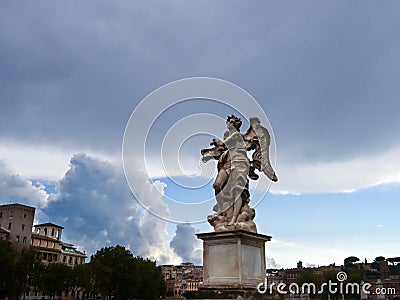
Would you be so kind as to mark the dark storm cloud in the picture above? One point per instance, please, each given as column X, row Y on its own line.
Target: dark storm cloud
column 326, row 73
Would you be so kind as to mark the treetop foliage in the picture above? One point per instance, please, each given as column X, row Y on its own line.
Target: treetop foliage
column 111, row 272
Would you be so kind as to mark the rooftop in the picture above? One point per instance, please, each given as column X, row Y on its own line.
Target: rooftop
column 11, row 205
column 48, row 224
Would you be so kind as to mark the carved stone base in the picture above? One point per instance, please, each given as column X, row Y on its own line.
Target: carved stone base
column 233, row 264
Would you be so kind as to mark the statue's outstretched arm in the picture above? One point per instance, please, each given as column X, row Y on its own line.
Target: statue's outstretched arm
column 214, row 152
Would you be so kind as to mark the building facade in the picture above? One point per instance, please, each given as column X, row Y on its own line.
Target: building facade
column 16, row 222
column 47, row 239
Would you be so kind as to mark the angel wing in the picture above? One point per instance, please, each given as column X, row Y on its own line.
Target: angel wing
column 258, row 139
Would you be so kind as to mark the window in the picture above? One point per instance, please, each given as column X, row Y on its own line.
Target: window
column 24, row 216
column 24, row 240
column 23, row 227
column 1, row 214
column 52, row 232
column 9, row 225
column 70, row 260
column 17, row 238
column 45, row 231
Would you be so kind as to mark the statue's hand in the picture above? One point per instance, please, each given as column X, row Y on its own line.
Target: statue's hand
column 217, row 143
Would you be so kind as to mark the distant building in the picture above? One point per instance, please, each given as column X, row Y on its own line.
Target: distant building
column 292, row 275
column 182, row 278
column 16, row 222
column 47, row 238
column 71, row 256
column 320, row 271
column 192, row 285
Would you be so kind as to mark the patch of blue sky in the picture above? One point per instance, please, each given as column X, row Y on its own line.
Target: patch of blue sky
column 49, row 187
column 369, row 215
column 181, row 189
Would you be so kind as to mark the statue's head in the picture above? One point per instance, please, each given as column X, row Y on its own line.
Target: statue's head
column 233, row 121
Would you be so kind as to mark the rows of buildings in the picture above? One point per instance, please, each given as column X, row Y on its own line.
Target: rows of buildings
column 375, row 273
column 16, row 226
column 188, row 277
column 181, row 278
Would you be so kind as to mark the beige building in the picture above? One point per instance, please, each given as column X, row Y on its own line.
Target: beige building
column 16, row 222
column 47, row 238
column 192, row 285
column 71, row 256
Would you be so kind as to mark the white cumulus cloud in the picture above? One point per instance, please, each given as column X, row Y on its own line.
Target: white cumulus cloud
column 185, row 244
column 15, row 188
column 100, row 210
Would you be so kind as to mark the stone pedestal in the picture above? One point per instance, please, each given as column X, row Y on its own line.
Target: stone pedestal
column 233, row 264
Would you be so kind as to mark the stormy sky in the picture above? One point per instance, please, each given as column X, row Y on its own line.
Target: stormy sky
column 325, row 73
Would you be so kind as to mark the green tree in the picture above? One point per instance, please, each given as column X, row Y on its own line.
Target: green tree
column 153, row 284
column 354, row 275
column 307, row 276
column 8, row 258
column 116, row 273
column 39, row 277
column 375, row 263
column 330, row 276
column 54, row 279
column 349, row 261
column 395, row 265
column 17, row 270
column 26, row 269
column 82, row 279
